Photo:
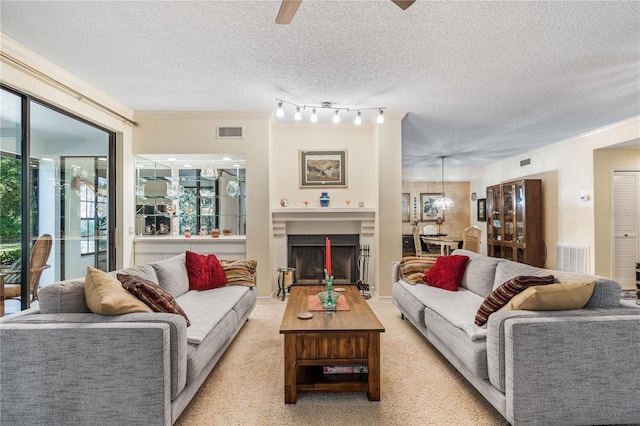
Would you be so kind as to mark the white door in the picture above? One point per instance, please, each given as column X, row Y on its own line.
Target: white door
column 625, row 225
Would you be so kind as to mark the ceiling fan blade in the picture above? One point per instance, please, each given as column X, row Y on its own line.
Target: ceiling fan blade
column 288, row 9
column 404, row 4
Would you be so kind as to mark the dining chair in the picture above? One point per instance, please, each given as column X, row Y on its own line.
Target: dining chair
column 471, row 239
column 37, row 264
column 417, row 242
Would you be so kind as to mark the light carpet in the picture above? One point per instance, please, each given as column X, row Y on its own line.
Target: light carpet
column 418, row 385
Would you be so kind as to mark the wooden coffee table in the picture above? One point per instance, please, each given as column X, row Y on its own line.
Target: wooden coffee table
column 337, row 338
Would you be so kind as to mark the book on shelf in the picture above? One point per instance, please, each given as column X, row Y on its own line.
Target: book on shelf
column 345, row 369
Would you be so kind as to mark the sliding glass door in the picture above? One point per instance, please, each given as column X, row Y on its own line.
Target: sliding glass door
column 66, row 192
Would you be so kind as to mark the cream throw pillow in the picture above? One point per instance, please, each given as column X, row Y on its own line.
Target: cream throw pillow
column 106, row 296
column 552, row 297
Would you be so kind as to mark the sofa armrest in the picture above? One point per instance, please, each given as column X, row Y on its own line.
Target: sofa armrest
column 571, row 367
column 87, row 373
column 177, row 334
column 395, row 271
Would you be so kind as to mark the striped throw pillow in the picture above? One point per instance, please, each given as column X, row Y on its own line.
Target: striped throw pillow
column 412, row 269
column 240, row 272
column 154, row 296
column 503, row 294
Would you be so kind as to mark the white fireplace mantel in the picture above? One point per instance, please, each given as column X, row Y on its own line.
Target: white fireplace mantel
column 364, row 215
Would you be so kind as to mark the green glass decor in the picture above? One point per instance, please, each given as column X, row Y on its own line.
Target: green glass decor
column 329, row 301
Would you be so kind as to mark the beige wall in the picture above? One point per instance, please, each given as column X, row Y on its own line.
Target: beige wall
column 195, row 133
column 605, row 162
column 373, row 176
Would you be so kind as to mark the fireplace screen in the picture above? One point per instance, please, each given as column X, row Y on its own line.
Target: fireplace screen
column 307, row 255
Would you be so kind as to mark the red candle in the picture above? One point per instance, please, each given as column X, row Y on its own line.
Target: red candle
column 328, row 253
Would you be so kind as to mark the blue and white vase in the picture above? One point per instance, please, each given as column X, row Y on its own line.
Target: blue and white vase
column 324, row 200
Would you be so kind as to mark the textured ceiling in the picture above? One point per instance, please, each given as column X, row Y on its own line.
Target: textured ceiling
column 480, row 80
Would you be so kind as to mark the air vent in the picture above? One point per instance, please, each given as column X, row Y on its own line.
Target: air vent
column 230, row 132
column 525, row 162
column 572, row 258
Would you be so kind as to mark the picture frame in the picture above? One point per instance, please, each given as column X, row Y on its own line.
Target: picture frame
column 322, row 169
column 482, row 209
column 428, row 212
column 405, row 206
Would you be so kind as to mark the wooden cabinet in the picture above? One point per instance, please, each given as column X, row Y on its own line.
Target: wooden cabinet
column 515, row 221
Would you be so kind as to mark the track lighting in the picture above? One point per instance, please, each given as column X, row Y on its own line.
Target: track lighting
column 358, row 119
column 327, row 105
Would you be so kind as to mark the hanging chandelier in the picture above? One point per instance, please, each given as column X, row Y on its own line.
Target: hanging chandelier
column 327, row 105
column 443, row 203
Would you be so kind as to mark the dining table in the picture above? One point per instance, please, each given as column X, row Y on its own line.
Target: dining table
column 446, row 243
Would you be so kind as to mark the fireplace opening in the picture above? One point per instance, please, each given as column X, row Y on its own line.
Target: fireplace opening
column 306, row 253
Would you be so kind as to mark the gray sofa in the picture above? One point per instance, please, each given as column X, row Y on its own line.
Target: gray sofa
column 573, row 367
column 60, row 364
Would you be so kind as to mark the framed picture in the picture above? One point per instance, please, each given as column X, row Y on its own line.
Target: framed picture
column 429, row 211
column 482, row 209
column 321, row 169
column 405, row 207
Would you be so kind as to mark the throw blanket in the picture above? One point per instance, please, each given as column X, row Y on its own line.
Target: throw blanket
column 457, row 307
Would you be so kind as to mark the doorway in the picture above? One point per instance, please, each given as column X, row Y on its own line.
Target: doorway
column 625, row 223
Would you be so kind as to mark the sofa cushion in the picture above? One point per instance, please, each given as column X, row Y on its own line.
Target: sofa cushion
column 154, row 296
column 240, row 272
column 552, row 297
column 480, row 272
column 204, row 271
column 63, row 297
column 206, row 308
column 508, row 269
column 413, row 269
column 172, row 274
column 606, row 293
column 106, row 296
column 458, row 308
column 447, row 272
column 501, row 295
column 143, row 271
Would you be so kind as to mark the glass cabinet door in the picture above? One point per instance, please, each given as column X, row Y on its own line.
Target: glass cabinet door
column 508, row 205
column 519, row 206
column 494, row 202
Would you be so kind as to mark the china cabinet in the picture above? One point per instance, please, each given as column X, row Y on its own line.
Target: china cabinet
column 515, row 221
column 172, row 199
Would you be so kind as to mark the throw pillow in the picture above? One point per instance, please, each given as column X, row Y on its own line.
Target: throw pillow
column 447, row 272
column 105, row 295
column 204, row 271
column 154, row 296
column 553, row 297
column 412, row 269
column 240, row 272
column 501, row 295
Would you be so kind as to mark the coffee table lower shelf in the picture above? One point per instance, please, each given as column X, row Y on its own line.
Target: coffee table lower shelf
column 312, row 379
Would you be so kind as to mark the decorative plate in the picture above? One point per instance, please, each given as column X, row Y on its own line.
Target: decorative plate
column 338, row 289
column 305, row 315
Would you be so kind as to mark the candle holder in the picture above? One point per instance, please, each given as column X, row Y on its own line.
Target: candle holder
column 328, row 297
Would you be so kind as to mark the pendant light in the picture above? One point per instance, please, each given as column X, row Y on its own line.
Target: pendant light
column 443, row 203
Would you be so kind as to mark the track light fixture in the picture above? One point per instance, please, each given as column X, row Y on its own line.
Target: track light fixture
column 327, row 105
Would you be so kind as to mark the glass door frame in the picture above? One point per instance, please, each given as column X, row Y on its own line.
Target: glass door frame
column 25, row 153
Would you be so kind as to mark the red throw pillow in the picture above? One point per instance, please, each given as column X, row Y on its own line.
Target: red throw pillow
column 447, row 272
column 152, row 295
column 501, row 295
column 204, row 271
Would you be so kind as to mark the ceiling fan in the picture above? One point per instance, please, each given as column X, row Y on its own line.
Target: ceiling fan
column 288, row 9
